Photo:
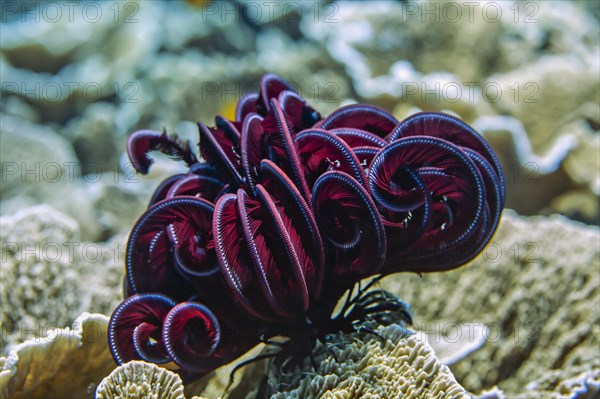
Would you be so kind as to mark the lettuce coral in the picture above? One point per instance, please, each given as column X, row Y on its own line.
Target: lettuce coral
column 140, row 380
column 65, row 364
column 360, row 366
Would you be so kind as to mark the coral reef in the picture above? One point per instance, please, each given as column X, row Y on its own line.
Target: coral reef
column 34, row 290
column 523, row 318
column 542, row 71
column 557, row 384
column 458, row 343
column 62, row 364
column 40, row 166
column 160, row 76
column 65, row 71
column 535, row 288
column 94, row 137
column 93, row 94
column 140, row 380
column 561, row 87
column 49, row 276
column 540, row 320
column 539, row 67
column 562, row 125
column 359, row 366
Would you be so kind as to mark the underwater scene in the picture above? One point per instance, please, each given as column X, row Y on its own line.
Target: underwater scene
column 300, row 199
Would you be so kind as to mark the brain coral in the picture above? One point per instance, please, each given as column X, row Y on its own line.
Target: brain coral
column 366, row 367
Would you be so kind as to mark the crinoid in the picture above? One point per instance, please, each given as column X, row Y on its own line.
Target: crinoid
column 363, row 310
column 285, row 213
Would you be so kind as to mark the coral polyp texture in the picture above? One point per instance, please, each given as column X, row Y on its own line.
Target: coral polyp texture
column 286, row 212
column 140, row 380
column 390, row 366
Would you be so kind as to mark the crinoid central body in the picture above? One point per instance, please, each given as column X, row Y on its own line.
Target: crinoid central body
column 285, row 213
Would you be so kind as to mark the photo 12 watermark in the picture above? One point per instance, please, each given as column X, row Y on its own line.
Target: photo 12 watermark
column 526, row 332
column 227, row 92
column 66, row 172
column 470, row 92
column 48, row 332
column 70, row 12
column 432, row 92
column 71, row 92
column 268, row 11
column 65, row 252
column 470, row 11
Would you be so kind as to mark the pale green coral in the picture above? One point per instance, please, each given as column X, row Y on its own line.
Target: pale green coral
column 140, row 380
column 366, row 367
